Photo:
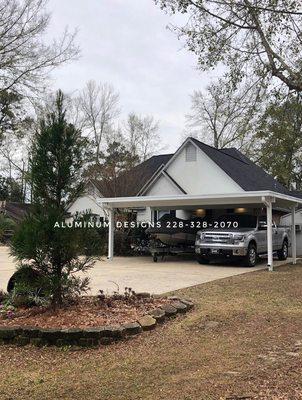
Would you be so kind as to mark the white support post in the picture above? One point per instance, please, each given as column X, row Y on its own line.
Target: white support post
column 293, row 235
column 111, row 234
column 152, row 214
column 269, row 218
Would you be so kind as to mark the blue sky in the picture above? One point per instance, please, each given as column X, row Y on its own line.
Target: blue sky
column 127, row 43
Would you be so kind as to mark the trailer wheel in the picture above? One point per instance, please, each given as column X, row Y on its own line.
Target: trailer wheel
column 155, row 258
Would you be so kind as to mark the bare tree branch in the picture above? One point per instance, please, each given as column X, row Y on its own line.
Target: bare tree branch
column 224, row 115
column 25, row 60
column 247, row 36
column 99, row 104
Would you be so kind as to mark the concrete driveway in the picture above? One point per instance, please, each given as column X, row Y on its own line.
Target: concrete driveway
column 142, row 274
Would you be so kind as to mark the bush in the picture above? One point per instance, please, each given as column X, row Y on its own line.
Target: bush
column 6, row 225
column 122, row 242
column 28, row 287
column 26, row 275
column 3, row 296
column 93, row 241
column 7, row 310
column 131, row 242
column 56, row 254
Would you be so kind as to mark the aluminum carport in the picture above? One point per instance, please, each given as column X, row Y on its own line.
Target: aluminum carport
column 254, row 199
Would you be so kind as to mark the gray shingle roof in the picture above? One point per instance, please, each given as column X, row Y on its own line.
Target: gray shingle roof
column 131, row 182
column 143, row 172
column 296, row 193
column 248, row 175
column 242, row 170
column 15, row 211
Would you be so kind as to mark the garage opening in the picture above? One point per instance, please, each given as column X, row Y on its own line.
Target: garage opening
column 268, row 203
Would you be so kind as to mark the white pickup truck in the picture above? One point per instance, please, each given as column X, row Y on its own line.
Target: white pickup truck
column 239, row 235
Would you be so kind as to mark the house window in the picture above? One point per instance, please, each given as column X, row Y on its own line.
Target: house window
column 190, row 153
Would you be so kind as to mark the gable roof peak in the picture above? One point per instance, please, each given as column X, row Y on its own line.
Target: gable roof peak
column 228, row 151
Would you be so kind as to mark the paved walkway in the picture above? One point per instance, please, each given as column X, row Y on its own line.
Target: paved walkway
column 142, row 274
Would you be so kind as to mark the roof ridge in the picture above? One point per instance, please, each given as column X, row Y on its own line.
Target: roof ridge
column 160, row 155
column 220, row 150
column 230, row 155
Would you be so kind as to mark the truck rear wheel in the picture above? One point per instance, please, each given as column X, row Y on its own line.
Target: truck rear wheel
column 283, row 252
column 251, row 256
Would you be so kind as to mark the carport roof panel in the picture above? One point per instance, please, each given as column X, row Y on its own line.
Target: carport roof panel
column 246, row 198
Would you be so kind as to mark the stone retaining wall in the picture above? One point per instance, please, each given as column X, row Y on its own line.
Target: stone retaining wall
column 93, row 336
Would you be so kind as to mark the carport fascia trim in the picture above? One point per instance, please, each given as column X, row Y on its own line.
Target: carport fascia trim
column 252, row 197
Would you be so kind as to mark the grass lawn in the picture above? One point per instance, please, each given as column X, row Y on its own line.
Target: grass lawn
column 243, row 340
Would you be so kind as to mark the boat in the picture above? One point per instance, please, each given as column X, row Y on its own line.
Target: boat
column 172, row 235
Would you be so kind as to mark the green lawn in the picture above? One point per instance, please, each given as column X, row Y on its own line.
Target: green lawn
column 243, row 340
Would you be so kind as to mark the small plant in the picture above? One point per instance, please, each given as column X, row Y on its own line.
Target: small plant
column 7, row 310
column 3, row 296
column 23, row 296
column 101, row 295
column 129, row 296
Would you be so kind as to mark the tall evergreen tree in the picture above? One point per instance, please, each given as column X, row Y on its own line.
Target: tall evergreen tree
column 57, row 157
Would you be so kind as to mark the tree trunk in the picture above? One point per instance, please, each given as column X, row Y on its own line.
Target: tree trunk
column 57, row 299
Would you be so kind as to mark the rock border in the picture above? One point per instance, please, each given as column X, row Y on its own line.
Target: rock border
column 93, row 336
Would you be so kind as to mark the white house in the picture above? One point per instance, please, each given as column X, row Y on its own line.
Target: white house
column 88, row 203
column 197, row 178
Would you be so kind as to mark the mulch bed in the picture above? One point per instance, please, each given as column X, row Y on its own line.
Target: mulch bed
column 87, row 312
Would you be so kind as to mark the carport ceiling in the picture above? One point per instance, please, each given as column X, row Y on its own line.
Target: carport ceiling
column 244, row 199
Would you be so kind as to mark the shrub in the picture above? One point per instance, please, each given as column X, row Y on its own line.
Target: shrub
column 3, row 296
column 7, row 310
column 6, row 224
column 56, row 255
column 28, row 287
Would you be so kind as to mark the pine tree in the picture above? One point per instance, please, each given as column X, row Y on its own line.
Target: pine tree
column 57, row 158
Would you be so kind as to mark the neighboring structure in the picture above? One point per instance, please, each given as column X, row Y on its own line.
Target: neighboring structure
column 286, row 221
column 88, row 202
column 15, row 211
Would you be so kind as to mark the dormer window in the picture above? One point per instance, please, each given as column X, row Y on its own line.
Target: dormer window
column 190, row 153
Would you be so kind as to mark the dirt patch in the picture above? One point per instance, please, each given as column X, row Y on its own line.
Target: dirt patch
column 87, row 312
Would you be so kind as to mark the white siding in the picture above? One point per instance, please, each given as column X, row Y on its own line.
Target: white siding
column 86, row 203
column 200, row 177
column 144, row 215
column 286, row 220
column 163, row 187
column 191, row 151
